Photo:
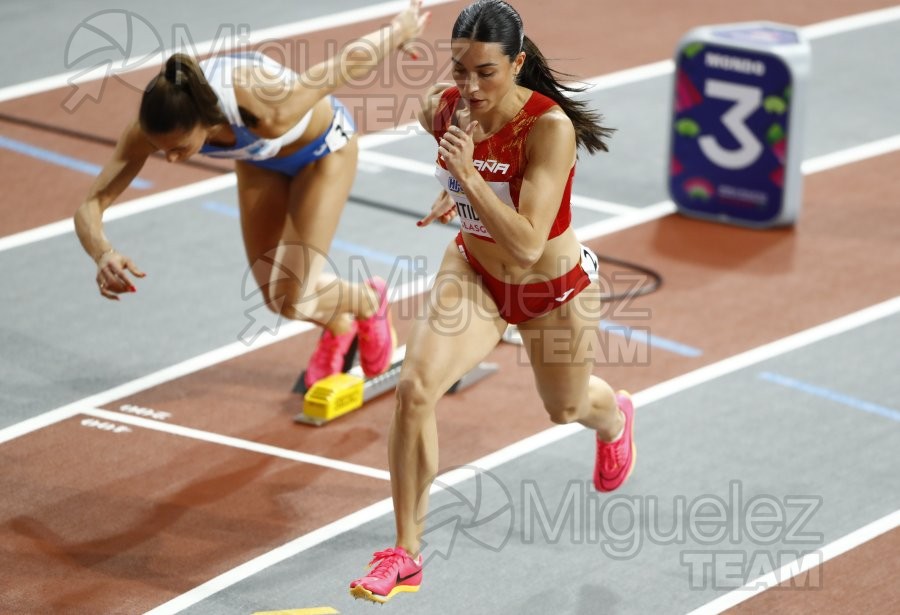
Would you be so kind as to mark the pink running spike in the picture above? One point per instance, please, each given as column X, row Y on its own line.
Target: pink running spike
column 393, row 571
column 377, row 338
column 615, row 460
column 328, row 357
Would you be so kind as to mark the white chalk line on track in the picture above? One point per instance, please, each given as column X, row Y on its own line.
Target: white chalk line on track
column 532, row 443
column 367, row 142
column 539, row 440
column 655, row 393
column 208, row 359
column 285, row 31
column 527, row 445
column 239, row 443
column 636, row 217
column 804, row 564
column 811, row 32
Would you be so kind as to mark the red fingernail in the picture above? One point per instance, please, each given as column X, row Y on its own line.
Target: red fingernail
column 133, row 289
column 419, row 223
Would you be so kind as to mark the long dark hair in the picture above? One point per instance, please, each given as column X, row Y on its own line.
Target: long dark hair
column 495, row 21
column 178, row 98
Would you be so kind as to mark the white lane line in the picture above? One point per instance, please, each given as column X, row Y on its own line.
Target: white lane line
column 601, row 206
column 147, row 203
column 248, row 569
column 814, row 31
column 631, row 215
column 247, row 445
column 598, row 229
column 608, row 81
column 285, row 31
column 858, row 21
column 636, row 217
column 173, row 372
column 123, row 210
column 409, row 165
column 811, row 32
column 850, row 155
column 168, row 374
column 398, row 163
column 629, row 76
column 528, row 445
column 806, row 563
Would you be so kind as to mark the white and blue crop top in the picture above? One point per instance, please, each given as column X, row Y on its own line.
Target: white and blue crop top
column 219, row 72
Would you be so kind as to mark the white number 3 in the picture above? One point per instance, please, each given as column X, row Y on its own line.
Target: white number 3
column 746, row 99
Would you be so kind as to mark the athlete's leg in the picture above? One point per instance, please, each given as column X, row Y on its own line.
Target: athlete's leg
column 288, row 225
column 461, row 326
column 317, row 197
column 562, row 349
column 263, row 198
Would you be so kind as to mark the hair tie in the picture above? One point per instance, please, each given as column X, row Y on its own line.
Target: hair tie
column 172, row 75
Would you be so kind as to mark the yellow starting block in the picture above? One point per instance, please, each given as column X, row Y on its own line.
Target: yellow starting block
column 338, row 394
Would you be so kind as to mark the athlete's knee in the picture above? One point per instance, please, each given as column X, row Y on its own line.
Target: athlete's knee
column 414, row 399
column 286, row 297
column 563, row 413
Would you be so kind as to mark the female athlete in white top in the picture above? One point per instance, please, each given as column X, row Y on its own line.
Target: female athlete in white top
column 296, row 153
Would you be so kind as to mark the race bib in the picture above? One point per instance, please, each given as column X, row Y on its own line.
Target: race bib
column 589, row 262
column 341, row 131
column 468, row 217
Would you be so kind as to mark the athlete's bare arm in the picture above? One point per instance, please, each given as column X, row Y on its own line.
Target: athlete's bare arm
column 132, row 151
column 280, row 103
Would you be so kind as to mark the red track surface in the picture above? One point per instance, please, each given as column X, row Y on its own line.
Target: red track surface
column 176, row 512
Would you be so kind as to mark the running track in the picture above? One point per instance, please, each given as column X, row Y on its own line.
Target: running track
column 109, row 522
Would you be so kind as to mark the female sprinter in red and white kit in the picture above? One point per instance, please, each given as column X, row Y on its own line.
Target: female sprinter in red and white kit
column 507, row 138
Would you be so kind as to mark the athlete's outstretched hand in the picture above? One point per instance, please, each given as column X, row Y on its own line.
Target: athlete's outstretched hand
column 409, row 25
column 443, row 210
column 112, row 277
column 456, row 148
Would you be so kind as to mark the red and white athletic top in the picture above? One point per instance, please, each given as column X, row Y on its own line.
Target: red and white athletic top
column 500, row 160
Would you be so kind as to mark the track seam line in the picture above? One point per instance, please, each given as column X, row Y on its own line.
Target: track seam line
column 809, row 561
column 239, row 443
column 292, row 328
column 273, row 33
column 530, row 444
column 411, row 165
column 607, row 81
column 822, row 29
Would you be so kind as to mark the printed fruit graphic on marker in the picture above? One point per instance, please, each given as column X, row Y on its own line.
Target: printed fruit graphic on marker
column 693, row 49
column 699, row 188
column 777, row 141
column 686, row 93
column 775, row 104
column 687, row 127
column 777, row 177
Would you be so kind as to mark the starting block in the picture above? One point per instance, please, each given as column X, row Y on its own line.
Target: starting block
column 339, row 394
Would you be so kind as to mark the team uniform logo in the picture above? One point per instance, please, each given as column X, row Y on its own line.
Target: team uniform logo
column 492, row 166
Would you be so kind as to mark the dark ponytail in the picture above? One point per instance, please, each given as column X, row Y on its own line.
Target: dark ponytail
column 495, row 21
column 179, row 98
